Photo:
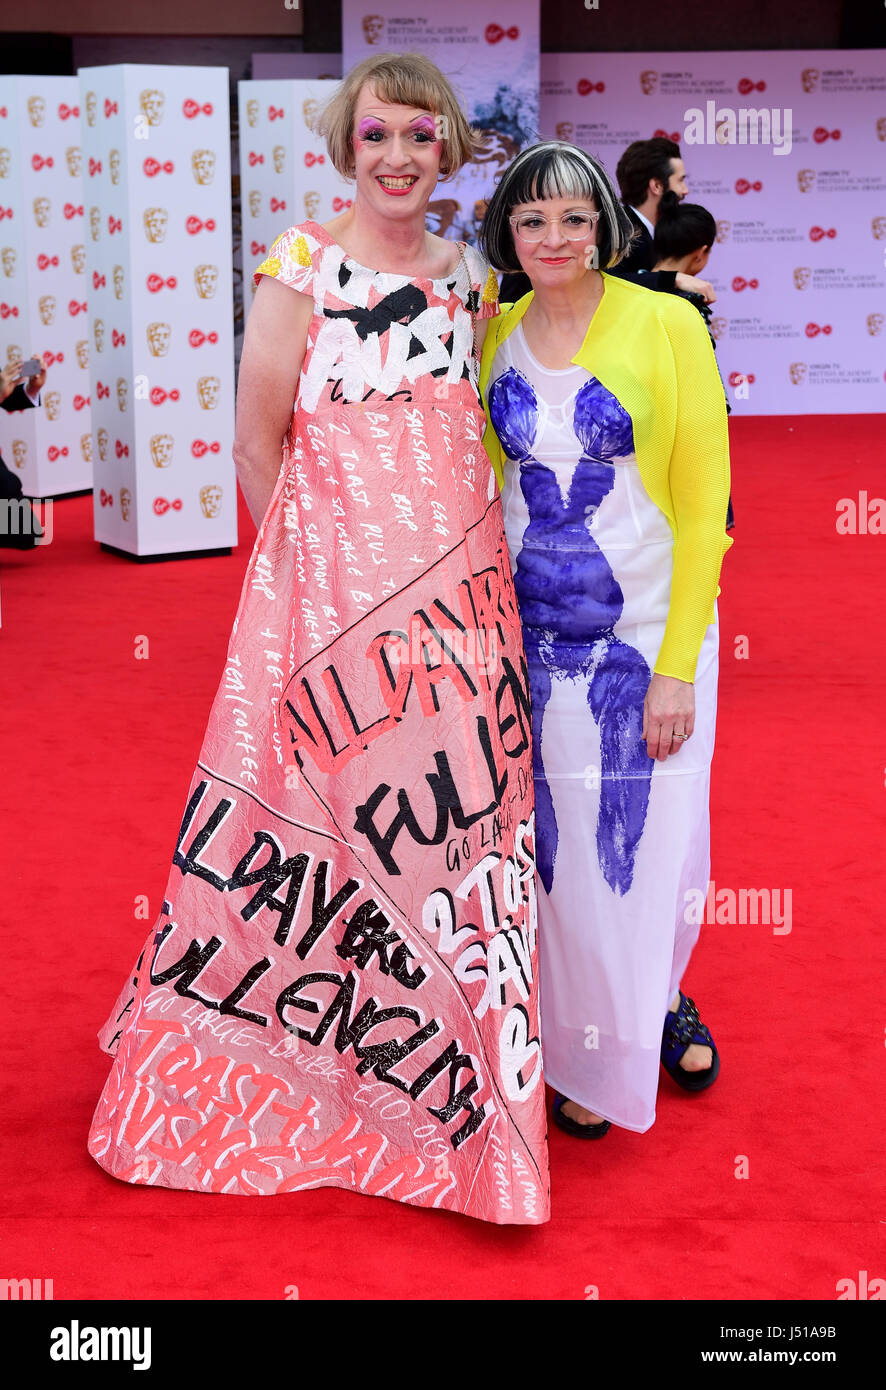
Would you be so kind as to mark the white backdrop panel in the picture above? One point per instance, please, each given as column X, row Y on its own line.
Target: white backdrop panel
column 156, row 145
column 43, row 280
column 285, row 173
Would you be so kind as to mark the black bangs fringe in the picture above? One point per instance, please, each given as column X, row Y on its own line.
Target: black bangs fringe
column 540, row 177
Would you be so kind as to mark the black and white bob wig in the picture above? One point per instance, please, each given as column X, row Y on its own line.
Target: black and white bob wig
column 554, row 169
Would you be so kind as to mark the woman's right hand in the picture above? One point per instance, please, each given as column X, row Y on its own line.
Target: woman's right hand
column 10, row 377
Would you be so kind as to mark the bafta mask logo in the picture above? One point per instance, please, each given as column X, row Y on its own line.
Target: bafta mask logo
column 312, row 205
column 875, row 324
column 718, row 327
column 648, row 82
column 125, row 502
column 802, row 276
column 881, row 127
column 156, row 221
column 208, row 388
column 95, row 223
column 117, row 276
column 42, row 208
column 805, row 180
column 46, row 309
column 279, row 157
column 878, row 228
column 203, row 166
column 7, row 260
column 98, row 332
column 37, row 111
column 86, row 447
column 91, row 108
column 5, row 163
column 13, row 354
column 210, row 500
column 102, row 437
column 798, row 372
column 19, row 453
column 252, row 112
column 74, row 160
column 114, row 165
column 122, row 394
column 206, row 280
column 373, row 28
column 565, row 130
column 161, row 449
column 723, row 230
column 52, row 402
column 151, row 102
column 78, row 258
column 309, row 110
column 81, row 348
column 254, row 202
column 809, row 78
column 159, row 335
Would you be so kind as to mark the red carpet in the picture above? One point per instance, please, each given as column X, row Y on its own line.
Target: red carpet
column 99, row 748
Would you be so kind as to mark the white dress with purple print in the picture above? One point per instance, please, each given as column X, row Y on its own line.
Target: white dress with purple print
column 621, row 839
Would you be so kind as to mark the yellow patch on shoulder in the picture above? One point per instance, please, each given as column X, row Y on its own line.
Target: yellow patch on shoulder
column 271, row 266
column 299, row 252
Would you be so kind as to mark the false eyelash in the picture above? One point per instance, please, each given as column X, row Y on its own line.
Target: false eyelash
column 427, row 136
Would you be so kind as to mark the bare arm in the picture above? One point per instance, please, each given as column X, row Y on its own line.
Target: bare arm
column 273, row 350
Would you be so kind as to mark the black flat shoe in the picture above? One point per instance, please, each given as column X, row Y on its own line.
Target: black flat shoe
column 682, row 1028
column 573, row 1127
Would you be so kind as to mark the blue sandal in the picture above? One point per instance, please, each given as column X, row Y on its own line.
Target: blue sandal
column 682, row 1028
column 573, row 1127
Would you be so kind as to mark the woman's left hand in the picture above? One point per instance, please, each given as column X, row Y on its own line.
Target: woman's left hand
column 668, row 710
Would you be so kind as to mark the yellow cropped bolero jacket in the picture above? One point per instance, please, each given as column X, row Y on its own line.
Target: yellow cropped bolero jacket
column 652, row 351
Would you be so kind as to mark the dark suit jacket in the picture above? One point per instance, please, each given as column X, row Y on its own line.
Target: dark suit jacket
column 18, row 399
column 10, row 483
column 637, row 264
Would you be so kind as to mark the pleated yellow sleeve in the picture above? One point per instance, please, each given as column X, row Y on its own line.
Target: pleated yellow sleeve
column 698, row 480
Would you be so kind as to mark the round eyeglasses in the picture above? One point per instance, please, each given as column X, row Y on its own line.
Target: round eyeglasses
column 575, row 226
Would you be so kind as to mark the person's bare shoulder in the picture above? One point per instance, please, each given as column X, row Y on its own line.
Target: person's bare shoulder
column 445, row 256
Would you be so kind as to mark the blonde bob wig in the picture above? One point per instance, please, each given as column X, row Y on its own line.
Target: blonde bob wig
column 404, row 79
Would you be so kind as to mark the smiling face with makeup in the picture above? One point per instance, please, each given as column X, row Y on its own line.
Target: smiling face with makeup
column 396, row 155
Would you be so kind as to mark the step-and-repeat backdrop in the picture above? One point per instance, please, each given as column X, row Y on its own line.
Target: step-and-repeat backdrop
column 286, row 176
column 157, row 175
column 799, row 263
column 43, row 281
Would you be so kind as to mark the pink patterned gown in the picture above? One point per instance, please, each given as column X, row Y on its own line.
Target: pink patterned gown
column 341, row 986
